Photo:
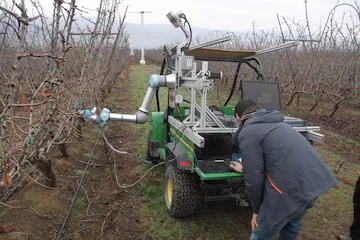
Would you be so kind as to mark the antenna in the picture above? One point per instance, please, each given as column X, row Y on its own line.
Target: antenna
column 142, row 59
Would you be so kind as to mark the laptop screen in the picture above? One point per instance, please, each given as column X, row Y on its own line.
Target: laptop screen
column 265, row 94
column 217, row 145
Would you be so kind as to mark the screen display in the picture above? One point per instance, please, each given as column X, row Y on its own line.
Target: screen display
column 216, row 146
column 265, row 94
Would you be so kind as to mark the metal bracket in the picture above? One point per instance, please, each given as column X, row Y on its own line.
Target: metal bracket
column 309, row 133
column 193, row 136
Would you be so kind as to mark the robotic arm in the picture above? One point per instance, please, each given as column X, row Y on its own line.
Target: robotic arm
column 141, row 116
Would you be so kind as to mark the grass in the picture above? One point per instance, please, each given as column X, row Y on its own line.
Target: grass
column 80, row 205
column 107, row 171
column 3, row 211
column 331, row 217
column 139, row 76
column 91, row 155
column 80, row 172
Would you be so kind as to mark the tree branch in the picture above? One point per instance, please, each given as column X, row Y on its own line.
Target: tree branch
column 15, row 15
column 38, row 55
column 31, row 104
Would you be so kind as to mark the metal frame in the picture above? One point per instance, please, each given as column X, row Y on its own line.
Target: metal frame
column 196, row 83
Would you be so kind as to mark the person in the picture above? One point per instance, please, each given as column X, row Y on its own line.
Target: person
column 355, row 227
column 283, row 173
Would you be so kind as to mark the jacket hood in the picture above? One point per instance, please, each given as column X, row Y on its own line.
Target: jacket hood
column 265, row 116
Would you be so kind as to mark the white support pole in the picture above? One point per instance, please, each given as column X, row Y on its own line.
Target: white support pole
column 193, row 96
column 142, row 36
column 203, row 98
column 142, row 59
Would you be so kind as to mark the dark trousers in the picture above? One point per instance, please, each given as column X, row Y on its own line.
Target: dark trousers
column 355, row 227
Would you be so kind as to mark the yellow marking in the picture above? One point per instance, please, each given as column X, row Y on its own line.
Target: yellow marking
column 181, row 139
column 169, row 191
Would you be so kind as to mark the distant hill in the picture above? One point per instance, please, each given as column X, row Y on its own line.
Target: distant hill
column 157, row 35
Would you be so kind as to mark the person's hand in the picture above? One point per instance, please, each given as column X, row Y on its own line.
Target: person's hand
column 238, row 167
column 254, row 224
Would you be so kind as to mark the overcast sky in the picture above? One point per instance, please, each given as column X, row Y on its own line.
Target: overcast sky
column 233, row 15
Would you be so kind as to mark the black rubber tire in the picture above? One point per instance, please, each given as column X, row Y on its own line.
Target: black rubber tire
column 148, row 157
column 185, row 191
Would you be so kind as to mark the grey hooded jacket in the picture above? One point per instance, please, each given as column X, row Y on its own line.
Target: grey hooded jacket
column 282, row 170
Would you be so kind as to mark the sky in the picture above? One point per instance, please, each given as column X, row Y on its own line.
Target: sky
column 232, row 15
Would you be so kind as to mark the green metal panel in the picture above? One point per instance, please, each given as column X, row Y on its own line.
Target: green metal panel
column 179, row 138
column 158, row 128
column 228, row 110
column 162, row 153
column 185, row 110
column 217, row 176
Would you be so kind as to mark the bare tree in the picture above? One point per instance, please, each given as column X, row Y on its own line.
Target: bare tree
column 48, row 73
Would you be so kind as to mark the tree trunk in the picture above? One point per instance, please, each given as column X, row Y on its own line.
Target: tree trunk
column 45, row 166
column 3, row 133
column 78, row 126
column 315, row 104
column 63, row 150
column 334, row 109
column 291, row 98
column 297, row 100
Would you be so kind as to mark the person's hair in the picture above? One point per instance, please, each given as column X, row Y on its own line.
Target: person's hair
column 242, row 105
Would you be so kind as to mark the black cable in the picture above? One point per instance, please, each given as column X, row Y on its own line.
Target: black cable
column 78, row 188
column 234, row 83
column 187, row 22
column 218, row 98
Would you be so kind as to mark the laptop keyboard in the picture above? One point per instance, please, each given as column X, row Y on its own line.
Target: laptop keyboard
column 214, row 165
